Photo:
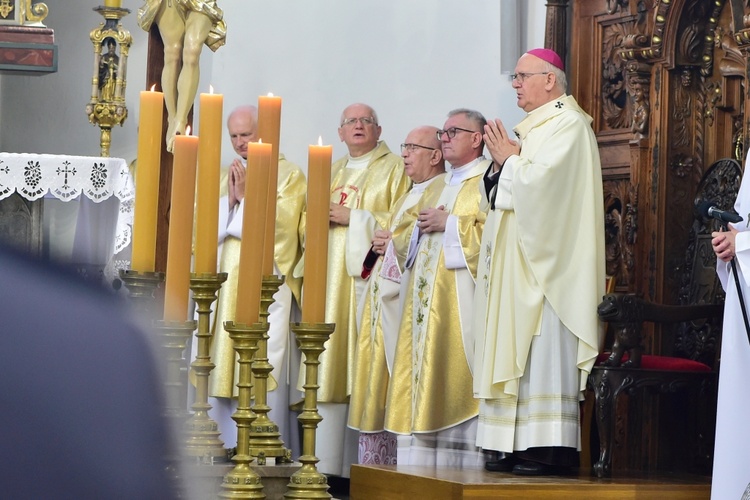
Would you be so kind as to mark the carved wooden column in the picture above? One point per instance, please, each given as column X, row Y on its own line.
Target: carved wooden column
column 638, row 86
column 742, row 37
column 556, row 27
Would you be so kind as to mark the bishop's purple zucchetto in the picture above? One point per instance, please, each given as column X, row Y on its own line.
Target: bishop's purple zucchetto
column 548, row 55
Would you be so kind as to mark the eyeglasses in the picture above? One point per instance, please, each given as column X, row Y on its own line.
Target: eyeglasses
column 521, row 77
column 451, row 132
column 413, row 147
column 367, row 120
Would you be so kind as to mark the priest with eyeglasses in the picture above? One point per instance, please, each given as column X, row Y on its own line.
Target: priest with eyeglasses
column 365, row 185
column 381, row 304
column 430, row 404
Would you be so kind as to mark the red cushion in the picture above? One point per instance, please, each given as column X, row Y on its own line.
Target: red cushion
column 650, row 362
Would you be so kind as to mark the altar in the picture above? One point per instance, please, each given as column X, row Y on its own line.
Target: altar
column 76, row 210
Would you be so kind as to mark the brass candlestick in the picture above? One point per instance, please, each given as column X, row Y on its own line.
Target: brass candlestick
column 174, row 336
column 141, row 287
column 265, row 438
column 307, row 482
column 242, row 481
column 202, row 432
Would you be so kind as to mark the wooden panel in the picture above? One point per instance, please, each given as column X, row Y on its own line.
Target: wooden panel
column 27, row 49
column 411, row 482
column 665, row 83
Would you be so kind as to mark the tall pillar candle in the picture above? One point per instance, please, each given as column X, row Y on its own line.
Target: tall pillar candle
column 207, row 205
column 177, row 288
column 254, row 219
column 148, row 164
column 316, row 233
column 269, row 131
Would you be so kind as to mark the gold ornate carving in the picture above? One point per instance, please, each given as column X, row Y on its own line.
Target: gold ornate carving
column 106, row 108
column 27, row 12
column 35, row 12
column 6, row 7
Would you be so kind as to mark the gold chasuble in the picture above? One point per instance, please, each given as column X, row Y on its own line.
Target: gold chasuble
column 371, row 193
column 379, row 325
column 290, row 201
column 431, row 386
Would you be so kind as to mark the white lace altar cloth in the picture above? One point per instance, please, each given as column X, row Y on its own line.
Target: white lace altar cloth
column 67, row 177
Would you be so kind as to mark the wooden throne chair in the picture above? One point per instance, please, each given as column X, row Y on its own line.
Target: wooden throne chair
column 691, row 364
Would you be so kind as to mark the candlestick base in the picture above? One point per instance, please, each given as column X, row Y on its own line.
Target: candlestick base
column 265, row 438
column 242, row 481
column 173, row 336
column 307, row 482
column 202, row 433
column 141, row 287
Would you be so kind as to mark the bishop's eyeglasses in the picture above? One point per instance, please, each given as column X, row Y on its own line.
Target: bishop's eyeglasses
column 521, row 77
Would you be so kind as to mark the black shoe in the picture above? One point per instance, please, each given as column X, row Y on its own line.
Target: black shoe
column 502, row 465
column 529, row 468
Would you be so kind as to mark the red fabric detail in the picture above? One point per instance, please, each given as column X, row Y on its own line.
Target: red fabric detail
column 667, row 363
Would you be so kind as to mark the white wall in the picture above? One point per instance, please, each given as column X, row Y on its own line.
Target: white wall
column 412, row 61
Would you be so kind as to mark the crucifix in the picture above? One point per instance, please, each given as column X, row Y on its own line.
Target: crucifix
column 155, row 57
column 177, row 29
column 184, row 26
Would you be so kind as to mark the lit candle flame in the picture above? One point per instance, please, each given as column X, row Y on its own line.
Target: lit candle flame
column 270, row 94
column 210, row 89
column 187, row 130
column 260, row 141
column 153, row 87
column 320, row 140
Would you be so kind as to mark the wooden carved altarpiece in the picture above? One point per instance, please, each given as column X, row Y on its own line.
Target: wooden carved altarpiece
column 665, row 83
